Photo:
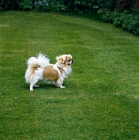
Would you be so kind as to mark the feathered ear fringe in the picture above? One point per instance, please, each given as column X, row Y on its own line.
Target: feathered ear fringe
column 60, row 59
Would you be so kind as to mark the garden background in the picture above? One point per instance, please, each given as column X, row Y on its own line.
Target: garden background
column 122, row 13
column 101, row 98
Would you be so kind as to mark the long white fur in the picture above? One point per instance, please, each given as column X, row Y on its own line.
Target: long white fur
column 39, row 73
column 41, row 60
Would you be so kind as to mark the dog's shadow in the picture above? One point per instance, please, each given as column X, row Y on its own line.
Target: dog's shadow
column 42, row 86
column 45, row 86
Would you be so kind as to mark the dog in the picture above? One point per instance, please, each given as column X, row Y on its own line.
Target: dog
column 39, row 68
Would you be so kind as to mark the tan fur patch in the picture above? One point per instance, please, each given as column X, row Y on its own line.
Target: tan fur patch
column 33, row 69
column 50, row 73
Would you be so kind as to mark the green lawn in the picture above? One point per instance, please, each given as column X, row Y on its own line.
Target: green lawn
column 101, row 98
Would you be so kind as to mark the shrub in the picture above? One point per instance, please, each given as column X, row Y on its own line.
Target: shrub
column 123, row 5
column 128, row 22
column 119, row 12
column 134, row 27
column 127, row 19
column 9, row 4
column 105, row 15
column 118, row 21
column 42, row 5
column 26, row 5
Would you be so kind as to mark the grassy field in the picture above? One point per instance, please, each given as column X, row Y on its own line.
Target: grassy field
column 101, row 98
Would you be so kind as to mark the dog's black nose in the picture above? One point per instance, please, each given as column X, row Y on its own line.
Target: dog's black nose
column 72, row 62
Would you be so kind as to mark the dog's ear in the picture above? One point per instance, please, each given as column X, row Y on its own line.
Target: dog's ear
column 60, row 59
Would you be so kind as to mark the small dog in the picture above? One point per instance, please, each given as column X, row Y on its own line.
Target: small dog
column 40, row 69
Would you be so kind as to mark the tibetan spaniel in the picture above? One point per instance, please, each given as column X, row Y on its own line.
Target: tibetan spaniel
column 39, row 68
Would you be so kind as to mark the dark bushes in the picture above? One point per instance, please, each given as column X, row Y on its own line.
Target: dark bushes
column 78, row 6
column 128, row 22
column 9, row 4
column 121, row 13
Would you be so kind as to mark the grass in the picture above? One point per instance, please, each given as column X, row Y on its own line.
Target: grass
column 101, row 98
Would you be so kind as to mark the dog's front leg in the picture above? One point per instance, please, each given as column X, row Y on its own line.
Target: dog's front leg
column 62, row 86
column 59, row 83
column 32, row 85
column 36, row 85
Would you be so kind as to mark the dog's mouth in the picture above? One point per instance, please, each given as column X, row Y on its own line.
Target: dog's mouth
column 71, row 62
column 68, row 62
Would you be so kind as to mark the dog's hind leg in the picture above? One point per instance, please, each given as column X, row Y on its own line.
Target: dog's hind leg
column 33, row 83
column 31, row 87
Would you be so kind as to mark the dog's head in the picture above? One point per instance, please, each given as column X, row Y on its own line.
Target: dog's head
column 65, row 59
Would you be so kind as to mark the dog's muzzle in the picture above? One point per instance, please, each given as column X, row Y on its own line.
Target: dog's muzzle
column 72, row 62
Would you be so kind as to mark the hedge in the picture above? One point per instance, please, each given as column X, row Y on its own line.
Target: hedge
column 122, row 13
column 128, row 22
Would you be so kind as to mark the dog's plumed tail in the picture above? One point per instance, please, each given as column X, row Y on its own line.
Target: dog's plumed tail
column 33, row 63
column 41, row 61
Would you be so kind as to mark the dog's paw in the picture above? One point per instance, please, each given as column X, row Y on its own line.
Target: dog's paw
column 36, row 85
column 62, row 86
